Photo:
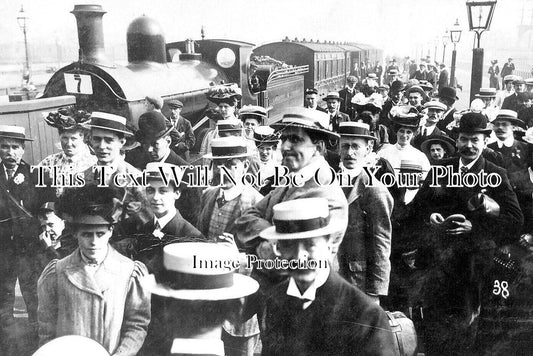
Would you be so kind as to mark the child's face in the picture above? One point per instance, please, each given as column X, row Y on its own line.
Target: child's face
column 161, row 198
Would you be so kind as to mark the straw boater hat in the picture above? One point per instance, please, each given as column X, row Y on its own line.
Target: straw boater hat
column 67, row 118
column 519, row 80
column 447, row 142
column 435, row 104
column 473, row 122
column 333, row 95
column 509, row 115
column 355, row 129
column 510, row 78
column 152, row 126
column 110, row 122
column 228, row 147
column 529, row 82
column 309, row 119
column 17, row 132
column 301, row 219
column 486, row 93
column 410, row 166
column 229, row 125
column 254, row 112
column 266, row 135
column 200, row 271
column 71, row 345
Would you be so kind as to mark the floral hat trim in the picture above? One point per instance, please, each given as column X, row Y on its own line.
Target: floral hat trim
column 67, row 118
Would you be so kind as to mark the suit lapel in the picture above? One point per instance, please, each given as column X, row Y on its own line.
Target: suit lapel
column 78, row 276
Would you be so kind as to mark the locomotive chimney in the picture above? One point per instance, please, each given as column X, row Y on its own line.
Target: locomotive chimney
column 90, row 33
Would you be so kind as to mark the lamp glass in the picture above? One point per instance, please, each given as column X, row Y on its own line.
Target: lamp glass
column 22, row 18
column 480, row 14
column 455, row 32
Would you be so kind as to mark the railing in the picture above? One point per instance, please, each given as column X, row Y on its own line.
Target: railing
column 287, row 72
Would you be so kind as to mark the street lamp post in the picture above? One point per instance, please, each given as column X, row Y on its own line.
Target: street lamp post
column 480, row 14
column 22, row 20
column 445, row 40
column 436, row 42
column 455, row 37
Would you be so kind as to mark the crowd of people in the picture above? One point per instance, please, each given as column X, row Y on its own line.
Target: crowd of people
column 381, row 197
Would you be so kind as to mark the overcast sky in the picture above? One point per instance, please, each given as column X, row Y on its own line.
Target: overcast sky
column 398, row 26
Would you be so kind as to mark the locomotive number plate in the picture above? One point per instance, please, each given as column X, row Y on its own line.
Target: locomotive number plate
column 78, row 83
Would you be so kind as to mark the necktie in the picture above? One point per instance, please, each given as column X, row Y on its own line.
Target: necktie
column 221, row 201
column 300, row 303
column 425, row 133
column 10, row 173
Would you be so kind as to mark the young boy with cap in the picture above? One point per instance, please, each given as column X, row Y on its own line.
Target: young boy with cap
column 183, row 138
column 315, row 311
column 95, row 291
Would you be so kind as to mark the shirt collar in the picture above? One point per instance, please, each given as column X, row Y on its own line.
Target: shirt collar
column 508, row 142
column 165, row 219
column 309, row 171
column 89, row 262
column 468, row 166
column 310, row 293
column 197, row 347
column 232, row 193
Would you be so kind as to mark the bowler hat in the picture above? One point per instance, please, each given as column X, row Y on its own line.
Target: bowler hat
column 355, row 129
column 110, row 122
column 309, row 119
column 473, row 122
column 17, row 132
column 448, row 93
column 152, row 126
column 447, row 142
column 301, row 219
column 228, row 147
column 200, row 271
column 397, row 86
column 509, row 115
column 175, row 104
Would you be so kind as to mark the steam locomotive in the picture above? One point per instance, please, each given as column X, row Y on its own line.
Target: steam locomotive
column 187, row 70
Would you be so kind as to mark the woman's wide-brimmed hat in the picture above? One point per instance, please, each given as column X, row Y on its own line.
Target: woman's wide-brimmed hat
column 225, row 94
column 446, row 141
column 301, row 219
column 309, row 119
column 405, row 115
column 253, row 111
column 68, row 118
column 200, row 271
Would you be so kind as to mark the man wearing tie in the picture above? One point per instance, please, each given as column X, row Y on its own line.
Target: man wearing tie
column 18, row 235
column 333, row 101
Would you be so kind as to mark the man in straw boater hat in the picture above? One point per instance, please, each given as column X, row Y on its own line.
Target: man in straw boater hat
column 226, row 99
column 201, row 290
column 267, row 141
column 95, row 291
column 221, row 205
column 18, row 233
column 488, row 96
column 365, row 250
column 468, row 219
column 515, row 153
column 435, row 111
column 303, row 144
column 333, row 101
column 316, row 311
column 438, row 148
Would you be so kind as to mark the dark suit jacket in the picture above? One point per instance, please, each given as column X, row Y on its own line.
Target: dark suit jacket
column 337, row 119
column 446, row 121
column 510, row 103
column 419, row 138
column 18, row 227
column 515, row 157
column 346, row 103
column 340, row 321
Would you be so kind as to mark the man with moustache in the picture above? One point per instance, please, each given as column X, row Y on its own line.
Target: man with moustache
column 511, row 102
column 435, row 110
column 365, row 251
column 18, row 236
column 333, row 101
column 465, row 224
column 304, row 133
column 514, row 152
